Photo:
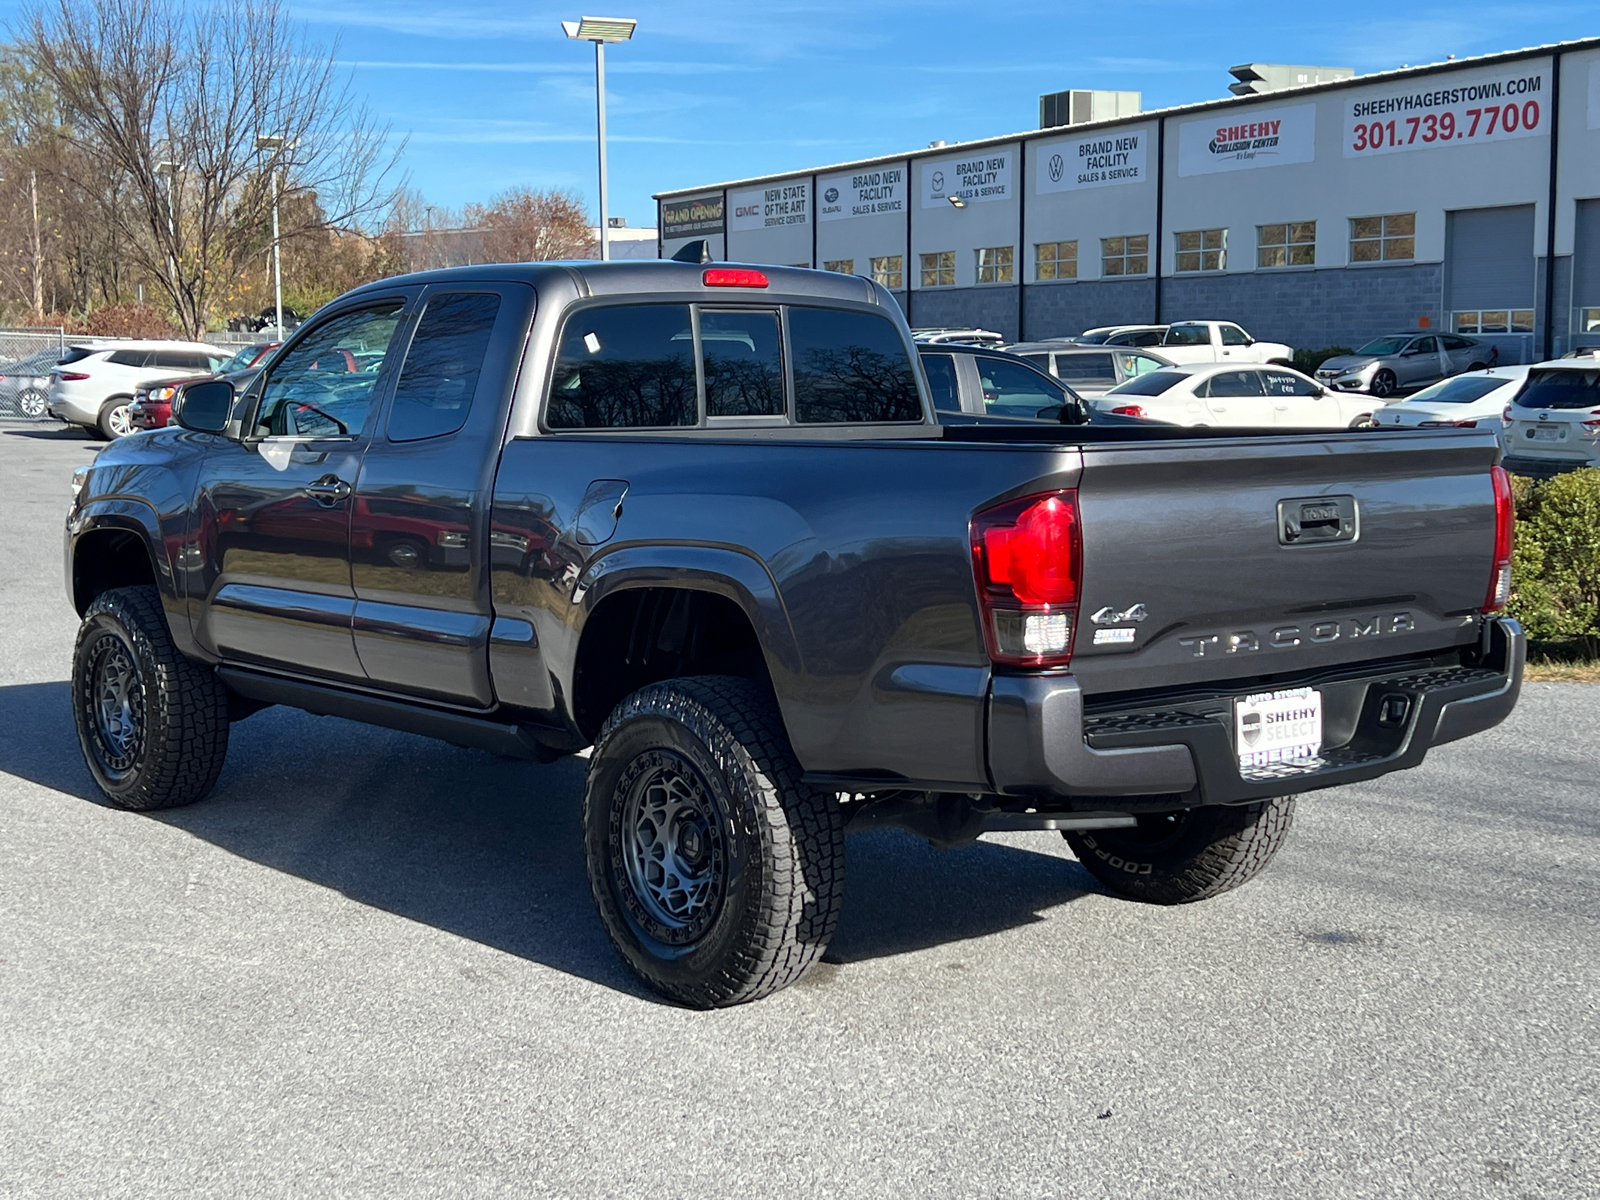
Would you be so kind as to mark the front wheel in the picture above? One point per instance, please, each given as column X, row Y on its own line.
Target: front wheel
column 718, row 874
column 1193, row 854
column 153, row 726
column 1384, row 384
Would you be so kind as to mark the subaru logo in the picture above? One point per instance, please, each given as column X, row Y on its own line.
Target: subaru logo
column 831, row 195
column 1544, row 416
column 1057, row 168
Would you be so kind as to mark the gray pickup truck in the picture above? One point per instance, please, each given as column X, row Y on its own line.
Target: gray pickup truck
column 703, row 520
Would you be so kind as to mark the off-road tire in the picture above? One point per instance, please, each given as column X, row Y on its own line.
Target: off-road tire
column 105, row 424
column 1384, row 384
column 776, row 846
column 177, row 724
column 1176, row 858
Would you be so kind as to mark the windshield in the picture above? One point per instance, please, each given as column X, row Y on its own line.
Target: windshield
column 1560, row 389
column 1152, row 384
column 1459, row 390
column 239, row 361
column 1188, row 335
column 1385, row 345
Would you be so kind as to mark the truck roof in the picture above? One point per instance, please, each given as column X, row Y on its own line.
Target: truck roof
column 643, row 276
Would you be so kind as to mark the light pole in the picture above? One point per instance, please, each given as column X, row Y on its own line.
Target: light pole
column 601, row 30
column 275, row 143
column 170, row 171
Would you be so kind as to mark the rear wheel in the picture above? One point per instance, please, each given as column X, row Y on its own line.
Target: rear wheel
column 33, row 404
column 1384, row 383
column 153, row 726
column 718, row 874
column 1194, row 854
column 1363, row 421
column 115, row 419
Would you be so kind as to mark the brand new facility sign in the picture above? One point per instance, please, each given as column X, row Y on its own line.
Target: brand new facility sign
column 1104, row 159
column 972, row 178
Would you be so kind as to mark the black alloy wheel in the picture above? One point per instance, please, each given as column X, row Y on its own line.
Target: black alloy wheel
column 1384, row 384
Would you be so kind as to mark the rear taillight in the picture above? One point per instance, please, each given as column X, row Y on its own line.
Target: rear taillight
column 1506, row 417
column 1592, row 425
column 1128, row 410
column 71, row 376
column 1028, row 558
column 1449, row 424
column 734, row 277
column 1505, row 517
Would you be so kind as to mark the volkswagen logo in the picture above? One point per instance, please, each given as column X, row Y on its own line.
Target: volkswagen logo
column 938, row 181
column 831, row 195
column 1057, row 168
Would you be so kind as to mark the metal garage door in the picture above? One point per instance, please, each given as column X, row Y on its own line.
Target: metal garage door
column 1586, row 276
column 1489, row 277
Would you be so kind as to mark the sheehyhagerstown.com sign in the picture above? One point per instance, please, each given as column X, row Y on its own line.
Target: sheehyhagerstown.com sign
column 1260, row 137
column 770, row 207
column 861, row 194
column 975, row 179
column 1100, row 161
column 1486, row 106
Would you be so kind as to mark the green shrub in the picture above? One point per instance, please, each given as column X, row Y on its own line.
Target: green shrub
column 1307, row 361
column 1555, row 569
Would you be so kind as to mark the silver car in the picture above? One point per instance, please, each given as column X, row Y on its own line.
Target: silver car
column 1403, row 362
column 1090, row 370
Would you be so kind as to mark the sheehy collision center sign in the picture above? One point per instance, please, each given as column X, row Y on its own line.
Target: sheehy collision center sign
column 1235, row 140
column 973, row 178
column 1108, row 158
column 771, row 207
column 1483, row 106
column 861, row 193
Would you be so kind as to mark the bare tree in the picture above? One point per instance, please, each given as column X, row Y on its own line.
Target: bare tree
column 161, row 107
column 523, row 225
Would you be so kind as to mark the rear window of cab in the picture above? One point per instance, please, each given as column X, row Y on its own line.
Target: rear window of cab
column 676, row 366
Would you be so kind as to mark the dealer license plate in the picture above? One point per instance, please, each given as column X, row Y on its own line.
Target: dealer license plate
column 1272, row 728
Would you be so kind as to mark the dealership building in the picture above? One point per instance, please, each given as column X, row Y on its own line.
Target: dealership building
column 1318, row 213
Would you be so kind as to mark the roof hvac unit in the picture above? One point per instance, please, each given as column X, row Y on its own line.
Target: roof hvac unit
column 1255, row 78
column 1081, row 107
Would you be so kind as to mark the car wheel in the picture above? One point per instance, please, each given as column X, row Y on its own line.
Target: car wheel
column 1193, row 854
column 115, row 419
column 33, row 404
column 718, row 874
column 153, row 725
column 1383, row 383
column 1478, row 366
column 1364, row 421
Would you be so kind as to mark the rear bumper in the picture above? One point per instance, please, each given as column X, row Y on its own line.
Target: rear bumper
column 1042, row 744
column 1542, row 468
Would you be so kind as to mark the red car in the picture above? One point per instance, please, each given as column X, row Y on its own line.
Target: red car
column 152, row 402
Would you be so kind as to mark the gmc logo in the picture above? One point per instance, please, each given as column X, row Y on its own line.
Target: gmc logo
column 1288, row 636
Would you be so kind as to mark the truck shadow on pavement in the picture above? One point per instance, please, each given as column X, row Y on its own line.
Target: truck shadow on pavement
column 489, row 848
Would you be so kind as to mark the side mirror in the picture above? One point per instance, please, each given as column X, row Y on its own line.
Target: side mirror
column 204, row 407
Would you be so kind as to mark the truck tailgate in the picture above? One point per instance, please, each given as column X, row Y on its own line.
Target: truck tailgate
column 1236, row 559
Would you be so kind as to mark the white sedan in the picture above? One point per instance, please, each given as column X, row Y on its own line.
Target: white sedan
column 1462, row 400
column 1226, row 394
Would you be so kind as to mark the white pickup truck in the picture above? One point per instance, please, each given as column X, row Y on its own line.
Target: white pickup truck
column 1219, row 341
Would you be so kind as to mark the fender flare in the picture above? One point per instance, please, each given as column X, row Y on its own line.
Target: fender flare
column 734, row 574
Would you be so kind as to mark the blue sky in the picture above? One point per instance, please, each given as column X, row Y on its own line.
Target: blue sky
column 492, row 95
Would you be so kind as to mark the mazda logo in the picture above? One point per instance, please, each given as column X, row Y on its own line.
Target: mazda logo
column 938, row 181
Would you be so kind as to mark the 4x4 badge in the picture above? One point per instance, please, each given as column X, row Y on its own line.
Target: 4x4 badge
column 1110, row 616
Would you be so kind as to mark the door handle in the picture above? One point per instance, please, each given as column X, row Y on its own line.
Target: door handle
column 330, row 489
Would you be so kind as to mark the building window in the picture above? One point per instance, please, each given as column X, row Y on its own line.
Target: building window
column 1383, row 239
column 889, row 272
column 840, row 266
column 939, row 269
column 1055, row 260
column 1290, row 245
column 1203, row 250
column 1125, row 255
column 1494, row 320
column 994, row 264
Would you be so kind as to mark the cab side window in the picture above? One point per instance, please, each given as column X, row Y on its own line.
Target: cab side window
column 440, row 375
column 941, row 371
column 850, row 366
column 1232, row 335
column 322, row 386
column 1092, row 370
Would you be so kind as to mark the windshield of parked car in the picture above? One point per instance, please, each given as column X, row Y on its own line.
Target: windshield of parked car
column 1560, row 389
column 239, row 361
column 1094, row 339
column 1152, row 384
column 1459, row 390
column 1188, row 335
column 1385, row 345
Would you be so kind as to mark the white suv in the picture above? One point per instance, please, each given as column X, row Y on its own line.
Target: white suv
column 94, row 383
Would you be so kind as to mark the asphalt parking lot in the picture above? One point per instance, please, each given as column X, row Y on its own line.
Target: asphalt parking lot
column 369, row 965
